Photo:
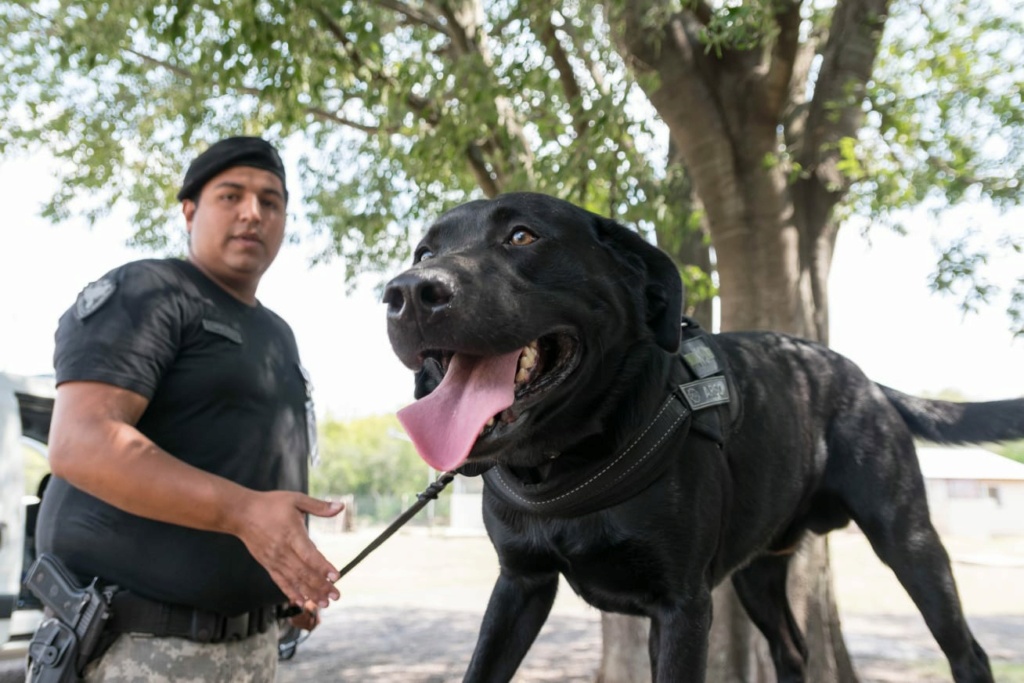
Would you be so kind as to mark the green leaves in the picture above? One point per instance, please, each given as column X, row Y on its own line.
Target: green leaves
column 367, row 456
column 398, row 113
column 398, row 110
column 945, row 110
column 740, row 26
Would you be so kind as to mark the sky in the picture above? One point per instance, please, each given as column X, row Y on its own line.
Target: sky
column 883, row 316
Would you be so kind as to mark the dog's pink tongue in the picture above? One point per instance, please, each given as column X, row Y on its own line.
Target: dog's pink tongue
column 444, row 424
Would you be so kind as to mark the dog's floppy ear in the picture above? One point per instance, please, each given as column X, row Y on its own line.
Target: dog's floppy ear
column 664, row 289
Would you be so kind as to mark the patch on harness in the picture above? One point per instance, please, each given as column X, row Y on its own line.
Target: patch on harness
column 703, row 393
column 699, row 357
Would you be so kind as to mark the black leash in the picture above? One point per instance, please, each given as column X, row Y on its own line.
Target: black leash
column 428, row 494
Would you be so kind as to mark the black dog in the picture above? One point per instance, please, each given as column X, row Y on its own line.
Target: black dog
column 546, row 341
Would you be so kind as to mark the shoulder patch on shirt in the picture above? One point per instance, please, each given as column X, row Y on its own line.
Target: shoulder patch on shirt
column 223, row 330
column 93, row 297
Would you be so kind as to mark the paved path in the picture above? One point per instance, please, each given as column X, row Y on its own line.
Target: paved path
column 397, row 645
column 410, row 614
column 401, row 645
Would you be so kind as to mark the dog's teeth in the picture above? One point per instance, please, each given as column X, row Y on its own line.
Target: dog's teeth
column 527, row 362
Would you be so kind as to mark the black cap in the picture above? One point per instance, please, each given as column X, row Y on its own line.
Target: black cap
column 228, row 153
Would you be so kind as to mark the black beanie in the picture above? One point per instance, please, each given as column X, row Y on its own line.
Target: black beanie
column 228, row 153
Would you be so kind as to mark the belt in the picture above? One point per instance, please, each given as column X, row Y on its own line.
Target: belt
column 133, row 614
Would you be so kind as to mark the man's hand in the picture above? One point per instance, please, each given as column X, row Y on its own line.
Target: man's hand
column 308, row 619
column 272, row 526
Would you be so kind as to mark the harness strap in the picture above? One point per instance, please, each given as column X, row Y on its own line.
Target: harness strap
column 702, row 358
column 704, row 405
column 608, row 483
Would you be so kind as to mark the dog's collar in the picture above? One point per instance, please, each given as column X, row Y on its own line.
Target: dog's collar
column 612, row 481
column 607, row 482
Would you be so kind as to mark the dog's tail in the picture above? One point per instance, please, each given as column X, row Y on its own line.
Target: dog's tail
column 952, row 423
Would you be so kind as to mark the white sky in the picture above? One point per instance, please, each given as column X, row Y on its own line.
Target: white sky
column 883, row 315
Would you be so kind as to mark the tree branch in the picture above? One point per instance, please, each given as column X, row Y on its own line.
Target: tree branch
column 324, row 115
column 566, row 76
column 461, row 44
column 481, row 172
column 153, row 61
column 418, row 105
column 347, row 45
column 316, row 112
column 794, row 118
column 687, row 96
column 836, row 110
column 783, row 57
column 418, row 16
column 592, row 69
column 701, row 11
column 458, row 32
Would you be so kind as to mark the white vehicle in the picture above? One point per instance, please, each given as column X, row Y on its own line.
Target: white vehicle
column 26, row 404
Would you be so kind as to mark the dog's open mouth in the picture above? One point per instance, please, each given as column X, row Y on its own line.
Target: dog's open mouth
column 543, row 364
column 481, row 397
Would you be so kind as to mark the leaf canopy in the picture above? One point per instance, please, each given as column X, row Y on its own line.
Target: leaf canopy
column 395, row 110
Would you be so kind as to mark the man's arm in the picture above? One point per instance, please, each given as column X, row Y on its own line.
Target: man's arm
column 95, row 447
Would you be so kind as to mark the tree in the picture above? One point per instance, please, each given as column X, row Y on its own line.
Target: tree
column 371, row 459
column 366, row 456
column 755, row 126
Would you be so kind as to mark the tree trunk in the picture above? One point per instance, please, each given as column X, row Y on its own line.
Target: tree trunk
column 624, row 657
column 686, row 239
column 773, row 235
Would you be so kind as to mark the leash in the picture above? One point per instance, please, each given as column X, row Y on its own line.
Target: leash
column 428, row 494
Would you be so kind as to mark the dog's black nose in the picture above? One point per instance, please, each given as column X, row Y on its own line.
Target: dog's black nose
column 417, row 294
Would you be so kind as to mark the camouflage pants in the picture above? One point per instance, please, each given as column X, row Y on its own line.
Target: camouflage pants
column 144, row 659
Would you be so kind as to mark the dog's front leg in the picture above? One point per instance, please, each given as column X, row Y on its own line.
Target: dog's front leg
column 518, row 607
column 679, row 640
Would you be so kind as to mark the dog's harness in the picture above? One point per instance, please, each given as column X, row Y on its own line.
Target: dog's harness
column 707, row 404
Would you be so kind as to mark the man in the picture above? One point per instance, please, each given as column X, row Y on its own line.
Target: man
column 180, row 438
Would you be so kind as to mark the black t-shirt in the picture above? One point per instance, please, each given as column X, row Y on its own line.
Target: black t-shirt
column 226, row 394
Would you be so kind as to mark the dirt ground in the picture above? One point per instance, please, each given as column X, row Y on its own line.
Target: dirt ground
column 410, row 612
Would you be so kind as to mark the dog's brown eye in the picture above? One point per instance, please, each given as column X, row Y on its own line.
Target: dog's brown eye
column 520, row 237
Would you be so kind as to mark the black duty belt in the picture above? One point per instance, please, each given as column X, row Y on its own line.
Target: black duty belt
column 134, row 614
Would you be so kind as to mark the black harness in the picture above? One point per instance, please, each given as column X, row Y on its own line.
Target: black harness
column 706, row 405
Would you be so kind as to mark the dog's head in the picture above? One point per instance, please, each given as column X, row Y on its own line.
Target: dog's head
column 518, row 316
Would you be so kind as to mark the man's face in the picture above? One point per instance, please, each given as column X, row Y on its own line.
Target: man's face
column 237, row 226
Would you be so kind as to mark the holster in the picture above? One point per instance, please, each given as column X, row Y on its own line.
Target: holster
column 53, row 653
column 72, row 632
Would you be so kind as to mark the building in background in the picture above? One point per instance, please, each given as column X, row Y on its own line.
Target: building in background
column 973, row 492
